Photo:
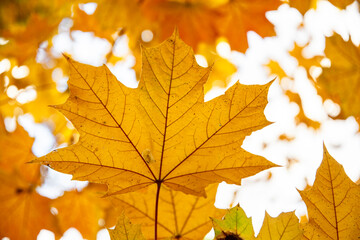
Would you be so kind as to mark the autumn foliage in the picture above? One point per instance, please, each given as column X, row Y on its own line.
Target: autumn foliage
column 155, row 153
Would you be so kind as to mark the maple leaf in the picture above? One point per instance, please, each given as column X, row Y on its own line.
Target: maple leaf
column 198, row 21
column 285, row 226
column 341, row 82
column 21, row 206
column 23, row 211
column 236, row 225
column 18, row 152
column 249, row 16
column 333, row 203
column 124, row 230
column 181, row 216
column 162, row 131
column 83, row 210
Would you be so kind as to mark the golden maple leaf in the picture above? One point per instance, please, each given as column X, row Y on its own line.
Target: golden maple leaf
column 333, row 203
column 162, row 131
column 236, row 225
column 124, row 230
column 181, row 216
column 198, row 21
column 17, row 151
column 23, row 211
column 83, row 210
column 285, row 226
column 341, row 82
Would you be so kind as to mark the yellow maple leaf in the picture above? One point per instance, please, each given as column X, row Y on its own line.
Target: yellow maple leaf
column 181, row 216
column 236, row 225
column 285, row 226
column 161, row 132
column 333, row 203
column 341, row 82
column 82, row 210
column 198, row 21
column 23, row 211
column 16, row 151
column 124, row 230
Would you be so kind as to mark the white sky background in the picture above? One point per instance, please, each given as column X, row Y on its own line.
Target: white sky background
column 257, row 193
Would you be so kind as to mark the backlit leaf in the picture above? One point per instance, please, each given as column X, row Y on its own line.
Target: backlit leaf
column 333, row 204
column 83, row 210
column 162, row 131
column 198, row 21
column 181, row 216
column 283, row 227
column 124, row 230
column 341, row 82
column 235, row 224
column 23, row 211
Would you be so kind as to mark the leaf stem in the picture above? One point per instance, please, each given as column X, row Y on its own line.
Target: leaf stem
column 157, row 206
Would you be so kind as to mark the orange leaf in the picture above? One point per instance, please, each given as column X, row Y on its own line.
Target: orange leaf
column 82, row 210
column 198, row 21
column 23, row 211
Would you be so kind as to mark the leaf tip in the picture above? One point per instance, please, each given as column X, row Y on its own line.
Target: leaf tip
column 175, row 34
column 66, row 56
